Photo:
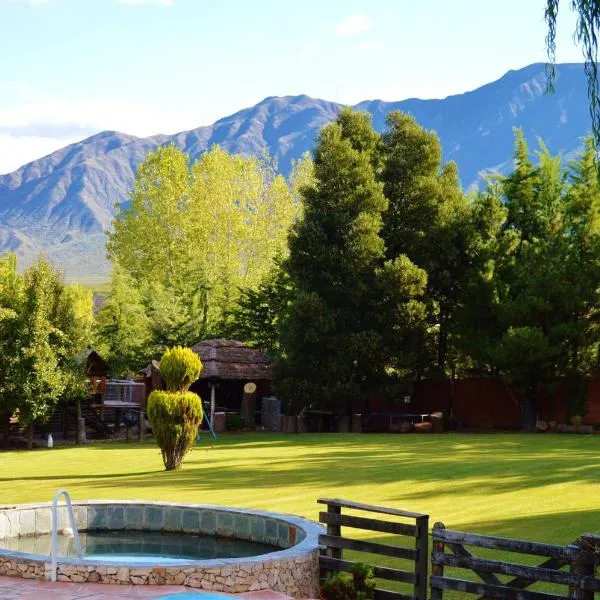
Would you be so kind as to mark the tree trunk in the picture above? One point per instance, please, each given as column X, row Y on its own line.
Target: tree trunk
column 442, row 349
column 529, row 409
column 65, row 420
column 6, row 430
column 78, row 421
column 30, row 437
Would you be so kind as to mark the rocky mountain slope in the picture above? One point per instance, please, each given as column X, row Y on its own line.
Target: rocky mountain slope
column 61, row 204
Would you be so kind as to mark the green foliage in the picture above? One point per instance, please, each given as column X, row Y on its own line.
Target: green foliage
column 195, row 235
column 427, row 220
column 358, row 584
column 256, row 319
column 175, row 418
column 339, row 587
column 45, row 326
column 532, row 311
column 10, row 303
column 124, row 336
column 353, row 310
column 180, row 367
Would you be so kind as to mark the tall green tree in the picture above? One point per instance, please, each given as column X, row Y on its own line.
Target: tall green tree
column 49, row 330
column 427, row 221
column 10, row 305
column 533, row 308
column 259, row 312
column 333, row 338
column 195, row 235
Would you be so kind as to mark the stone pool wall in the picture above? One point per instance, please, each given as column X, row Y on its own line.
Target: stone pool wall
column 293, row 569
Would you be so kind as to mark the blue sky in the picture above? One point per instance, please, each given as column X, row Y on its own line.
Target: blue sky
column 74, row 67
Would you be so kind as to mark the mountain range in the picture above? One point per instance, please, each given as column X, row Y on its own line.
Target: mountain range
column 63, row 203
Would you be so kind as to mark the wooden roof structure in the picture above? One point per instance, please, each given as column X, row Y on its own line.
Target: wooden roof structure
column 95, row 365
column 229, row 359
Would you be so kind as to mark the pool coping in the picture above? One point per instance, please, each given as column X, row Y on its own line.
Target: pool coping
column 307, row 545
column 292, row 569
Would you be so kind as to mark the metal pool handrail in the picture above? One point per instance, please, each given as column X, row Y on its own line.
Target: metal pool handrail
column 54, row 541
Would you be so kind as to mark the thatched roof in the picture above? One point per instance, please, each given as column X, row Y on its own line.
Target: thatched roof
column 228, row 359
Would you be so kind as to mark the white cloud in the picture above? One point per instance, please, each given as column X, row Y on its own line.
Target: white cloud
column 353, row 24
column 34, row 122
column 135, row 2
column 17, row 151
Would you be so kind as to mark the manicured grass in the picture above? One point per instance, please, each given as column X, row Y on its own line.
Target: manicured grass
column 539, row 487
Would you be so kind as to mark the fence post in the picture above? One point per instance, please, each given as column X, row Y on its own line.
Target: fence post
column 584, row 564
column 437, row 546
column 335, row 530
column 421, row 544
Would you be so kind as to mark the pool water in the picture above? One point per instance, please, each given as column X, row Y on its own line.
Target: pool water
column 140, row 546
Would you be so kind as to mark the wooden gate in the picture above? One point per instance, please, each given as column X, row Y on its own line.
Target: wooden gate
column 578, row 581
column 332, row 556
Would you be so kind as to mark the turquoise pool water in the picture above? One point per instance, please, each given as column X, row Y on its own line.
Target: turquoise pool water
column 131, row 546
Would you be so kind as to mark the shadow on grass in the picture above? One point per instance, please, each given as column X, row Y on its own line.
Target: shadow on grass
column 455, row 464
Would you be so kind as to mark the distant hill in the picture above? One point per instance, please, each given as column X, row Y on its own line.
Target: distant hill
column 61, row 204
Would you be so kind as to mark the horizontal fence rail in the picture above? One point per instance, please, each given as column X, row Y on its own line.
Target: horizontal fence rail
column 578, row 582
column 334, row 544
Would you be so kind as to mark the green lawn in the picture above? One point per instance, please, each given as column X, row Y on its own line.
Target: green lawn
column 540, row 487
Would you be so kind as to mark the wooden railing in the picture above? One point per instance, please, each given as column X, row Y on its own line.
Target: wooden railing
column 578, row 582
column 334, row 544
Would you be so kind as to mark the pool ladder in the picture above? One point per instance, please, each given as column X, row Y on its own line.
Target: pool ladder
column 54, row 540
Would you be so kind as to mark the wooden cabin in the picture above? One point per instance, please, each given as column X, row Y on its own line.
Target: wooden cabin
column 229, row 365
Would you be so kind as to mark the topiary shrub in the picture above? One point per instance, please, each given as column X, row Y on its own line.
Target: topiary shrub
column 176, row 414
column 179, row 367
column 175, row 418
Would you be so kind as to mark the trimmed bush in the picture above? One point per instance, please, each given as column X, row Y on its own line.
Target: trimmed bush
column 175, row 418
column 180, row 367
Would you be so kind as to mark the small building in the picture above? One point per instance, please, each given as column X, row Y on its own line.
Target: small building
column 229, row 365
column 97, row 370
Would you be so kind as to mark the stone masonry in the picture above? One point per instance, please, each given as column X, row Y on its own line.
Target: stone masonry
column 293, row 570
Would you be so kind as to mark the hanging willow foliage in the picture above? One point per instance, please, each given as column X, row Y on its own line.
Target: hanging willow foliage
column 586, row 34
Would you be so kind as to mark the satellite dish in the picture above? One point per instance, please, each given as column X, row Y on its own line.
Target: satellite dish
column 249, row 388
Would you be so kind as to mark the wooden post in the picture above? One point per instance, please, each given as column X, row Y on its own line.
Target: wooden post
column 438, row 570
column 81, row 435
column 584, row 564
column 78, row 439
column 65, row 421
column 212, row 402
column 6, row 430
column 422, row 546
column 30, row 436
column 141, row 425
column 335, row 530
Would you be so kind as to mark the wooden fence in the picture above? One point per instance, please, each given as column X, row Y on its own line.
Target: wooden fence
column 334, row 543
column 578, row 582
